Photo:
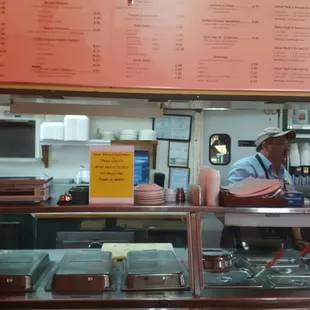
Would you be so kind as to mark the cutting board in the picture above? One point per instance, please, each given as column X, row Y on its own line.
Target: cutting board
column 119, row 250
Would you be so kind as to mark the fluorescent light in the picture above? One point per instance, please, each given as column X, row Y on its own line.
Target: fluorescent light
column 216, row 109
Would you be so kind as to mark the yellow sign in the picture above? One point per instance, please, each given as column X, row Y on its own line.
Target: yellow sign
column 111, row 174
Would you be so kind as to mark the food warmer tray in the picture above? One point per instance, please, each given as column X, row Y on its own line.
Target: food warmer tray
column 83, row 271
column 153, row 270
column 20, row 271
column 235, row 278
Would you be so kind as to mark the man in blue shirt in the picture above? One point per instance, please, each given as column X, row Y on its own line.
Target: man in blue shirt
column 272, row 146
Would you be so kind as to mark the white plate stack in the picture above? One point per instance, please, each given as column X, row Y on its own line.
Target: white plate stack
column 128, row 134
column 147, row 135
column 170, row 195
column 52, row 131
column 149, row 195
column 76, row 128
column 107, row 136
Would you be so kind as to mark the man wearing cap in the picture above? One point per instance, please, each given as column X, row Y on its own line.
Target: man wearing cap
column 272, row 146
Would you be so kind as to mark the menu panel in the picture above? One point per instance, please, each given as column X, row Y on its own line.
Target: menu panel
column 58, row 42
column 151, row 39
column 180, row 44
column 228, row 41
column 289, row 48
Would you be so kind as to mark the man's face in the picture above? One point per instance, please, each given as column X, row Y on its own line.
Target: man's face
column 278, row 148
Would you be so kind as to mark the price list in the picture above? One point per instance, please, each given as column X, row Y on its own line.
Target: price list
column 150, row 39
column 64, row 42
column 179, row 44
column 290, row 48
column 228, row 42
column 3, row 38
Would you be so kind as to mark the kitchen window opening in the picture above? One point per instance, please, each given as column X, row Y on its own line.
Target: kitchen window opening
column 220, row 149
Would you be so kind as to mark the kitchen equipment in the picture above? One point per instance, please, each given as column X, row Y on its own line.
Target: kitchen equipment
column 76, row 128
column 25, row 189
column 194, row 194
column 294, row 155
column 82, row 176
column 52, row 131
column 217, row 260
column 83, row 271
column 153, row 270
column 21, row 270
column 65, row 200
column 269, row 264
column 180, row 195
column 79, row 195
column 159, row 179
column 120, row 250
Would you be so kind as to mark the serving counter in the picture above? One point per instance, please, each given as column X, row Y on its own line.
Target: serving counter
column 202, row 294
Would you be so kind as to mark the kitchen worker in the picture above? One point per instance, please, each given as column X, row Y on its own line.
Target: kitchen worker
column 272, row 146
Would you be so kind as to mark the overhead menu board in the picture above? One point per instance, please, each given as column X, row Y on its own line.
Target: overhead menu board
column 196, row 44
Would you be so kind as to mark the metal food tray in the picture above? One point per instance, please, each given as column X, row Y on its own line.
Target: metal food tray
column 265, row 260
column 83, row 271
column 290, row 282
column 153, row 270
column 237, row 278
column 21, row 271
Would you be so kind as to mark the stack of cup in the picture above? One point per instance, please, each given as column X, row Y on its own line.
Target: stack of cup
column 170, row 195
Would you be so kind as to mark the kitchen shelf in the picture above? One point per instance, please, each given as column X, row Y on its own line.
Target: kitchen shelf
column 150, row 146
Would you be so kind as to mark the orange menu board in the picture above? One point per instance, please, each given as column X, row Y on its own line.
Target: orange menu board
column 111, row 174
column 178, row 44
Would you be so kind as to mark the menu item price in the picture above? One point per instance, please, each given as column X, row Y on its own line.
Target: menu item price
column 111, row 172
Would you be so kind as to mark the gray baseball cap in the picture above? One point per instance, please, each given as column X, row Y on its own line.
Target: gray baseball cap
column 274, row 132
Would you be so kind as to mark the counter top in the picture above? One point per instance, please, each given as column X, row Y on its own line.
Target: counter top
column 261, row 298
column 171, row 208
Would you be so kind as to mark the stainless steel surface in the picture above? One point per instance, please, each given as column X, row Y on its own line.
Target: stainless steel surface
column 230, row 279
column 52, row 207
column 292, row 282
column 241, row 296
column 153, row 270
column 217, row 260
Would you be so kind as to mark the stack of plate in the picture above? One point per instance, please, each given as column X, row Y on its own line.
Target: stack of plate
column 170, row 195
column 149, row 195
column 128, row 134
column 107, row 136
column 147, row 135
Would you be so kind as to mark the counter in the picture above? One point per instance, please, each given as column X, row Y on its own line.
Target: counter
column 262, row 298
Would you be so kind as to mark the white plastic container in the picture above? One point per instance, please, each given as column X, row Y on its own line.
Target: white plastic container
column 76, row 128
column 52, row 131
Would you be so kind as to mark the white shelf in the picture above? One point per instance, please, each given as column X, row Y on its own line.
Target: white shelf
column 74, row 143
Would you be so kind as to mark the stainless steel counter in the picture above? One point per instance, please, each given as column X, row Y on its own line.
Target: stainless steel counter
column 258, row 297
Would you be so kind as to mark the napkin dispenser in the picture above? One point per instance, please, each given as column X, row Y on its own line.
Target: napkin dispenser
column 294, row 198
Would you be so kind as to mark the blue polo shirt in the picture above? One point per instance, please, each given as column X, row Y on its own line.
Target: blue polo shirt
column 250, row 167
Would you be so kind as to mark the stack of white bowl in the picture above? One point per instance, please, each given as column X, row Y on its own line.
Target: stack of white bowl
column 147, row 135
column 128, row 134
column 107, row 136
column 149, row 195
column 170, row 195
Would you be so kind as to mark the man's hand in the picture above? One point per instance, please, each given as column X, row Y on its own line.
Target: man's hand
column 300, row 244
